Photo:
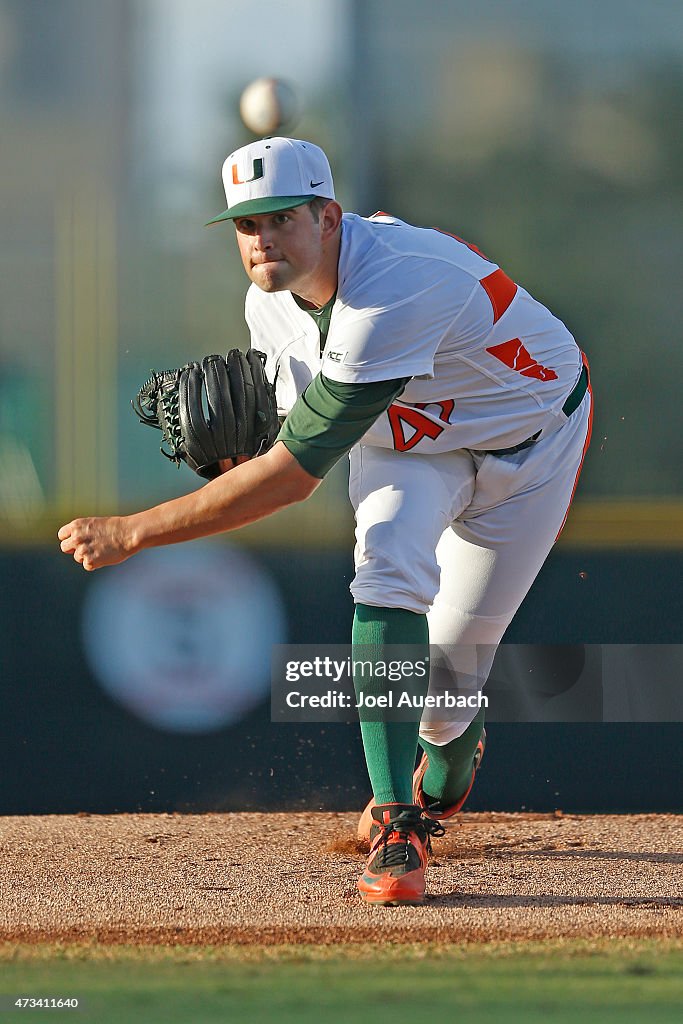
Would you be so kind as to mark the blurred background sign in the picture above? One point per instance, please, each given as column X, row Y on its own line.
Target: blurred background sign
column 181, row 636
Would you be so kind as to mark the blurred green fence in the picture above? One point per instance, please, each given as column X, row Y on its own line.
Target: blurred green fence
column 565, row 164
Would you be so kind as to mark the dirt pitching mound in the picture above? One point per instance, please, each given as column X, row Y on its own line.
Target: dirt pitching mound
column 283, row 878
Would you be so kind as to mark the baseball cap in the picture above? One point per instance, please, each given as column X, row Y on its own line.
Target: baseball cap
column 274, row 174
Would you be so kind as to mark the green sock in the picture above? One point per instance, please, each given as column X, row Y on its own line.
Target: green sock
column 450, row 767
column 390, row 747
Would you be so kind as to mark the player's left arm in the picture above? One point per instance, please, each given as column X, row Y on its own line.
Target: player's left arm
column 326, row 421
column 331, row 416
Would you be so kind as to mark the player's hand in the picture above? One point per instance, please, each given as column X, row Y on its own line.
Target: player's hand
column 225, row 465
column 96, row 542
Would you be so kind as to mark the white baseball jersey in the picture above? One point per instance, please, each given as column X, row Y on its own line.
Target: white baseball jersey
column 489, row 364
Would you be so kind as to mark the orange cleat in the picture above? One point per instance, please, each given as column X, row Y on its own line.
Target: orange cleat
column 400, row 840
column 435, row 811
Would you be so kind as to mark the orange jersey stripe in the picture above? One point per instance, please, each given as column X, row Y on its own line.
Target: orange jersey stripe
column 501, row 290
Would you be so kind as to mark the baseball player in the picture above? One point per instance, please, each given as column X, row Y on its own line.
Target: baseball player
column 466, row 409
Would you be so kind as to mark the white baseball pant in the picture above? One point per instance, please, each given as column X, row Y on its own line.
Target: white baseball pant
column 461, row 536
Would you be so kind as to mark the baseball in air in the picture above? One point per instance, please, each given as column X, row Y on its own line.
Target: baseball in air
column 268, row 105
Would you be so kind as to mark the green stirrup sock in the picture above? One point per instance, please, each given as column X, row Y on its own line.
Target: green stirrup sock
column 450, row 767
column 390, row 747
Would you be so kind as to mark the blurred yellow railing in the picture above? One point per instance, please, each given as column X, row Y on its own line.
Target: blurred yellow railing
column 326, row 521
column 627, row 523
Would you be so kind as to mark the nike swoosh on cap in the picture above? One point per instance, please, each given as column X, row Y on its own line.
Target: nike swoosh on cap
column 314, row 184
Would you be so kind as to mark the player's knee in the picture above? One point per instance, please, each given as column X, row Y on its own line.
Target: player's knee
column 451, row 625
column 387, row 588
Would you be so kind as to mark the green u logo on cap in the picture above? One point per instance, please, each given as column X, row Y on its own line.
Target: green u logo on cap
column 258, row 173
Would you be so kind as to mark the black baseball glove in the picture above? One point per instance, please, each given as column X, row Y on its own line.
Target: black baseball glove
column 218, row 409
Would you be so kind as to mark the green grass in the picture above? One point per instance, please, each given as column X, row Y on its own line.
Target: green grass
column 619, row 981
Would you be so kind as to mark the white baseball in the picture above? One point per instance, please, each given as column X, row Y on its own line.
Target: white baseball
column 267, row 105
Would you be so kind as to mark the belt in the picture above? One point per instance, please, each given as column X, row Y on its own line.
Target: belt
column 571, row 405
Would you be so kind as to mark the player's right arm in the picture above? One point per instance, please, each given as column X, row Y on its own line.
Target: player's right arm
column 326, row 421
column 249, row 492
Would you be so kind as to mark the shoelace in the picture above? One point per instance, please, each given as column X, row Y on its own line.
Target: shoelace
column 397, row 854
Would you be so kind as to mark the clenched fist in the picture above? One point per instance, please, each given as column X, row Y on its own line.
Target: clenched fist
column 98, row 541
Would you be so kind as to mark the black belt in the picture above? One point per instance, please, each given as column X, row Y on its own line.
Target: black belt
column 571, row 405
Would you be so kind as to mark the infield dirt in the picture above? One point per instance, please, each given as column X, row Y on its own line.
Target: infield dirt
column 291, row 878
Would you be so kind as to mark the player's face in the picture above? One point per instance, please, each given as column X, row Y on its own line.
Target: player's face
column 280, row 251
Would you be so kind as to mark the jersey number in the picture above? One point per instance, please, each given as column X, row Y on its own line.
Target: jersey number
column 421, row 426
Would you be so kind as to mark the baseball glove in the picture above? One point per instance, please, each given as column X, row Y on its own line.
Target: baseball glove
column 221, row 408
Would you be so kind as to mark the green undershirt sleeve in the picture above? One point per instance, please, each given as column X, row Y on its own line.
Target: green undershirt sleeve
column 329, row 418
